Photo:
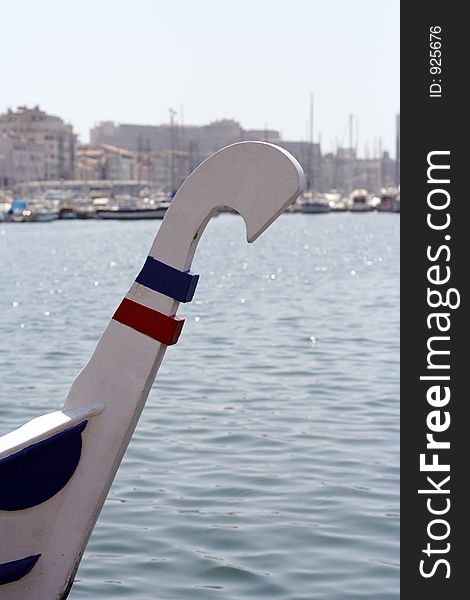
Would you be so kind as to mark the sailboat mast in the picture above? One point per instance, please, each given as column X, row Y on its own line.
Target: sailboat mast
column 351, row 118
column 310, row 179
column 172, row 151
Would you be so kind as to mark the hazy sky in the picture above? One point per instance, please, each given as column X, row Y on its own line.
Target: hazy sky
column 256, row 61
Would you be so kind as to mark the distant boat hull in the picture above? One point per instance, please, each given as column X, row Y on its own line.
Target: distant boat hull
column 131, row 214
column 359, row 201
column 389, row 202
column 395, row 208
column 45, row 217
column 32, row 217
column 339, row 207
column 360, row 207
column 315, row 207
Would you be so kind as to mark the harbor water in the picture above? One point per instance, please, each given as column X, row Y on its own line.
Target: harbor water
column 266, row 461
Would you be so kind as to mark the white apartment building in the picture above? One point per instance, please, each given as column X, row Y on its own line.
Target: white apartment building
column 35, row 146
column 105, row 161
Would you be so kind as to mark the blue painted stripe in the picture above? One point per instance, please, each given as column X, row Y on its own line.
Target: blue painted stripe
column 16, row 569
column 36, row 473
column 167, row 280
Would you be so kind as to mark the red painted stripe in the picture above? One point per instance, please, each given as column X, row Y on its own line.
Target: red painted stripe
column 156, row 325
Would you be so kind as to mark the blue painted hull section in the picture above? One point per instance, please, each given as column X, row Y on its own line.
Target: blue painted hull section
column 36, row 473
column 16, row 569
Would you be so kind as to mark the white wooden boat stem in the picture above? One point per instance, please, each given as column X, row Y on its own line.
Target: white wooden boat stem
column 256, row 179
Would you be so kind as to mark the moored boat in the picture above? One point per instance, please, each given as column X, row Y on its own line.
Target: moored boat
column 314, row 204
column 21, row 211
column 389, row 200
column 315, row 207
column 336, row 201
column 359, row 201
column 121, row 214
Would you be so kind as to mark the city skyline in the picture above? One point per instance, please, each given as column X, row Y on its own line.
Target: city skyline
column 37, row 147
column 256, row 63
column 369, row 150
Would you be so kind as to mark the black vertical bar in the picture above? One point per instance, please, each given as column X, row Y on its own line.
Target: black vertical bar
column 433, row 120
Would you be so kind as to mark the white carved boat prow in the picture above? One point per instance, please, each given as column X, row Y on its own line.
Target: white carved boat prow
column 56, row 470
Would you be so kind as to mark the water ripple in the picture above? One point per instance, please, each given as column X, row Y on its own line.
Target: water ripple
column 265, row 464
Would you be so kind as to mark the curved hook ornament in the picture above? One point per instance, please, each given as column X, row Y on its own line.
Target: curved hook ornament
column 256, row 179
column 45, row 530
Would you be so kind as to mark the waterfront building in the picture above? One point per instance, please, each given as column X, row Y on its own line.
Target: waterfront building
column 35, row 145
column 106, row 162
column 20, row 160
column 309, row 156
column 203, row 139
column 368, row 175
column 327, row 177
column 389, row 171
column 345, row 165
column 164, row 170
